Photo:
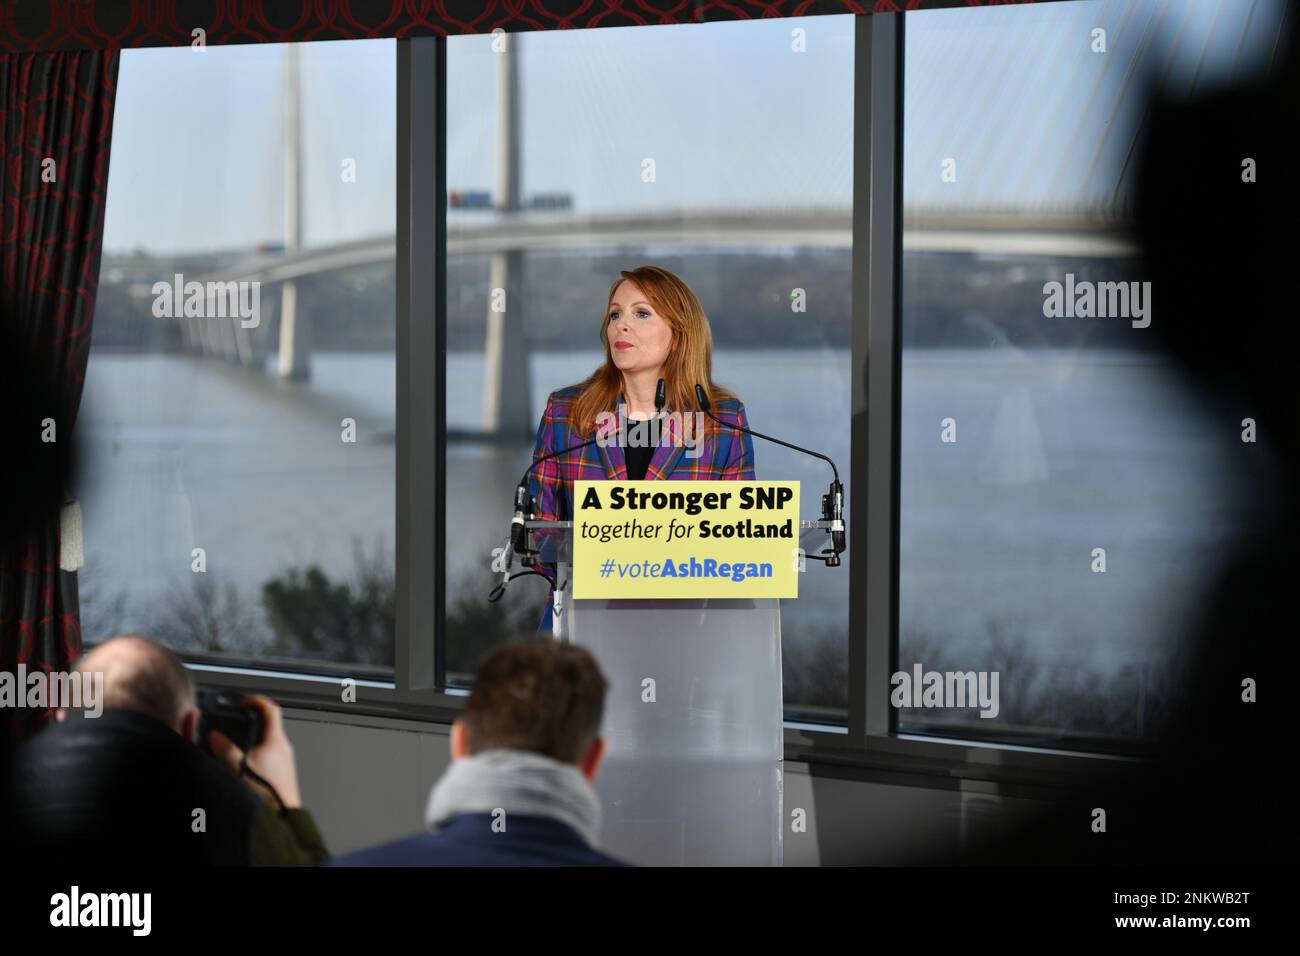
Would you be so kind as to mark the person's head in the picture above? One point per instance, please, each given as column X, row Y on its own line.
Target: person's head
column 145, row 678
column 536, row 695
column 652, row 327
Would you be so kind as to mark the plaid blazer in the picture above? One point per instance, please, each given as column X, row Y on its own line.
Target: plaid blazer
column 723, row 454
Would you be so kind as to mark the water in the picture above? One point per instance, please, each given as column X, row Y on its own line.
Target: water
column 1057, row 453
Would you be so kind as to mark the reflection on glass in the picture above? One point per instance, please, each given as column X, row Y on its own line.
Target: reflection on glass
column 1063, row 500
column 229, row 507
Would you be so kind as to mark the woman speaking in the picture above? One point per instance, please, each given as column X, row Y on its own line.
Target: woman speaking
column 653, row 328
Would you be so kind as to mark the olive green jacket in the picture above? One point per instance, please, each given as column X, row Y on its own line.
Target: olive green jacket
column 285, row 838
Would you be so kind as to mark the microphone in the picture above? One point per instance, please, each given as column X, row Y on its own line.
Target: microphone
column 524, row 501
column 832, row 501
column 661, row 396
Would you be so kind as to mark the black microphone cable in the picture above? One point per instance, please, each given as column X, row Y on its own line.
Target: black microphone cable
column 832, row 501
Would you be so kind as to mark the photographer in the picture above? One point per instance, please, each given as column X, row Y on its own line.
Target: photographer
column 133, row 785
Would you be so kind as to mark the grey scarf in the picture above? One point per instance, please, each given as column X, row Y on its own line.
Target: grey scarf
column 516, row 781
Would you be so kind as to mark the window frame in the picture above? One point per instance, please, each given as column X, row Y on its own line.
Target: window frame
column 870, row 741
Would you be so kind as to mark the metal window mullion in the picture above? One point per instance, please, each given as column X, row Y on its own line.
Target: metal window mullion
column 421, row 311
column 877, row 151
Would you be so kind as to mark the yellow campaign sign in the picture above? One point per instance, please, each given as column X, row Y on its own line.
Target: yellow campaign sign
column 686, row 539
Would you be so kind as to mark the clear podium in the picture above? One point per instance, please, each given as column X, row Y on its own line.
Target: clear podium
column 693, row 720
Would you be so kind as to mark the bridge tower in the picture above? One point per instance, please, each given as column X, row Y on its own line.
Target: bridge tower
column 506, row 378
column 295, row 326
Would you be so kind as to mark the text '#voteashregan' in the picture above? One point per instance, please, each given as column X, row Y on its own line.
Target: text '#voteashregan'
column 693, row 568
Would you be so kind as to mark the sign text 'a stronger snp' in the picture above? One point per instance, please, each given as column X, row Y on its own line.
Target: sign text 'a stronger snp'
column 686, row 539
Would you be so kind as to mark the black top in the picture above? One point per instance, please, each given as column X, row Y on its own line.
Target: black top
column 638, row 460
column 638, row 451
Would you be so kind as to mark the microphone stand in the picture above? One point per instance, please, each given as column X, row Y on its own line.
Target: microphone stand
column 832, row 501
column 520, row 541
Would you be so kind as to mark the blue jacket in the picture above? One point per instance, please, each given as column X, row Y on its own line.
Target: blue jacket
column 468, row 840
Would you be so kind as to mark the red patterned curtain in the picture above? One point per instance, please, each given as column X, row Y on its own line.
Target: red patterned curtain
column 56, row 120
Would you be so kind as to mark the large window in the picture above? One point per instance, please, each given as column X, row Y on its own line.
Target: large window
column 1064, row 500
column 299, row 492
column 238, row 479
column 628, row 148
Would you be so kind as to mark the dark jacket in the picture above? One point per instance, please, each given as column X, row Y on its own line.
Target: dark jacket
column 125, row 787
column 469, row 840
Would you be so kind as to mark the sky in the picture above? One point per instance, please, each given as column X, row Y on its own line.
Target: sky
column 734, row 115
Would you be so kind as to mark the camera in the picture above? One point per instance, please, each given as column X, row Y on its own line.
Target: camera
column 224, row 711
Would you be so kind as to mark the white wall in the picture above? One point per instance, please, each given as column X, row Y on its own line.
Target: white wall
column 366, row 781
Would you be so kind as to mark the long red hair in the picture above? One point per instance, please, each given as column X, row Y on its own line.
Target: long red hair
column 690, row 359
